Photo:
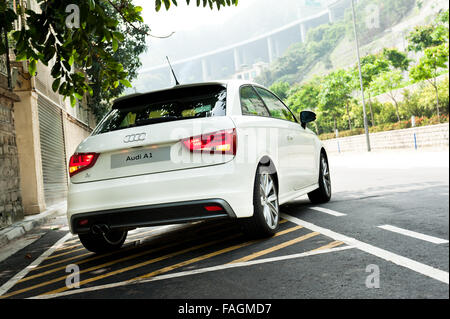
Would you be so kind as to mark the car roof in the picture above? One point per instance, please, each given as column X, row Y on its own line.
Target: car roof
column 237, row 83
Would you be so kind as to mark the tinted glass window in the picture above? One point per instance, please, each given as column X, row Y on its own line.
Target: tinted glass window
column 276, row 107
column 165, row 106
column 251, row 103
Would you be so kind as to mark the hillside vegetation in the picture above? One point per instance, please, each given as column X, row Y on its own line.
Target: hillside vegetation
column 334, row 94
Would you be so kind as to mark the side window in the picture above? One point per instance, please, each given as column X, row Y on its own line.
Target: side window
column 251, row 103
column 276, row 107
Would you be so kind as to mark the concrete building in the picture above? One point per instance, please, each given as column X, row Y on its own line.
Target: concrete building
column 39, row 131
column 251, row 72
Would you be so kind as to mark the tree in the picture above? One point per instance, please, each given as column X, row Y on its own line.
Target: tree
column 128, row 54
column 371, row 66
column 304, row 97
column 434, row 60
column 55, row 37
column 335, row 94
column 281, row 89
column 398, row 60
column 388, row 82
column 431, row 35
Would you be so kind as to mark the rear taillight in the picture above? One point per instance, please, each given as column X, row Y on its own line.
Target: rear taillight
column 221, row 142
column 81, row 161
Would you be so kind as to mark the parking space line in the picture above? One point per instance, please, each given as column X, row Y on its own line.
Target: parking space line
column 414, row 234
column 66, row 253
column 172, row 255
column 10, row 283
column 274, row 248
column 104, row 264
column 330, row 245
column 328, row 211
column 130, row 239
column 157, row 231
column 95, row 257
column 192, row 272
column 116, row 261
column 423, row 269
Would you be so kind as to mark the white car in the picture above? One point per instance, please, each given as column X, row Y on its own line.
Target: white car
column 195, row 152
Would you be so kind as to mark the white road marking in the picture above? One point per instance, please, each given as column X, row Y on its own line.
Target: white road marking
column 423, row 269
column 328, row 211
column 191, row 272
column 414, row 234
column 10, row 283
column 18, row 244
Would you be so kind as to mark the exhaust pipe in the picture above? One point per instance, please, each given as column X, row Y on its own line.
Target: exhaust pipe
column 100, row 229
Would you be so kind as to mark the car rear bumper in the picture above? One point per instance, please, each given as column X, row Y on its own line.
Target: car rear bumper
column 230, row 182
column 153, row 215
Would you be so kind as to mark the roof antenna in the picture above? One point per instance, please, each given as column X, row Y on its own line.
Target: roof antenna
column 175, row 77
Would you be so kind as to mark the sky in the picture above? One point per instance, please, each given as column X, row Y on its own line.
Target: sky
column 184, row 17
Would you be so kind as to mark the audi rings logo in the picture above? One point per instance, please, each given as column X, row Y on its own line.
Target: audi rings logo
column 135, row 137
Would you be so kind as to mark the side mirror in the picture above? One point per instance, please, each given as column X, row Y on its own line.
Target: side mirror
column 307, row 117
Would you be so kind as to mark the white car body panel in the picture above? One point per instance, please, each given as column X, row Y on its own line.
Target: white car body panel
column 293, row 151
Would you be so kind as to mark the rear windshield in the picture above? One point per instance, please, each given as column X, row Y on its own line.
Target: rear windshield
column 165, row 106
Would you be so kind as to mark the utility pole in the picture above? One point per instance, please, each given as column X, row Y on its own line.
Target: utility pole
column 366, row 127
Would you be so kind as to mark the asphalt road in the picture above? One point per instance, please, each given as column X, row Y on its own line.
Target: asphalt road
column 359, row 245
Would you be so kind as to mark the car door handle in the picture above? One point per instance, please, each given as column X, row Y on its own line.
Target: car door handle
column 290, row 137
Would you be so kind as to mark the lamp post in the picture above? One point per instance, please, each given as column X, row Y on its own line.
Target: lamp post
column 360, row 78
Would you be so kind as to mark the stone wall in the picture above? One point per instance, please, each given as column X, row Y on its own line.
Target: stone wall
column 11, row 208
column 426, row 136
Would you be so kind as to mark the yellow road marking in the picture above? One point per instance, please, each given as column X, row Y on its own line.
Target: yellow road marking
column 68, row 247
column 133, row 236
column 274, row 248
column 63, row 254
column 103, row 255
column 116, row 261
column 213, row 254
column 172, row 255
column 108, row 254
column 330, row 245
column 145, row 263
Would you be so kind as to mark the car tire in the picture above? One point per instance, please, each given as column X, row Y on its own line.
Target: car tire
column 101, row 243
column 323, row 193
column 266, row 215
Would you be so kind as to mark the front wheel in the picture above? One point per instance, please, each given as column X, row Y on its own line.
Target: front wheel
column 323, row 193
column 103, row 242
column 266, row 216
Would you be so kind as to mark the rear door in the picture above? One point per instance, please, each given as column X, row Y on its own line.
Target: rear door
column 152, row 133
column 298, row 164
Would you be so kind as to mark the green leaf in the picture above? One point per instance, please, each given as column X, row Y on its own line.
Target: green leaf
column 158, row 5
column 55, row 84
column 115, row 44
column 73, row 101
column 32, row 67
column 126, row 83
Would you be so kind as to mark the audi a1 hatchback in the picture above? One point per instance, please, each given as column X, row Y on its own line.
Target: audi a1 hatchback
column 194, row 152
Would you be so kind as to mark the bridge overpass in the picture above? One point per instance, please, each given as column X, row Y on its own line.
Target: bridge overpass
column 227, row 61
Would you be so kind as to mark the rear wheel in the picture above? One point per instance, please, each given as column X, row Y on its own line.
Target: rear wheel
column 103, row 242
column 266, row 216
column 323, row 193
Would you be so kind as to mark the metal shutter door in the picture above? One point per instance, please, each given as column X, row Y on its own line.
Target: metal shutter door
column 53, row 152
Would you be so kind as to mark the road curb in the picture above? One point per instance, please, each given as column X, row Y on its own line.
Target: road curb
column 20, row 228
